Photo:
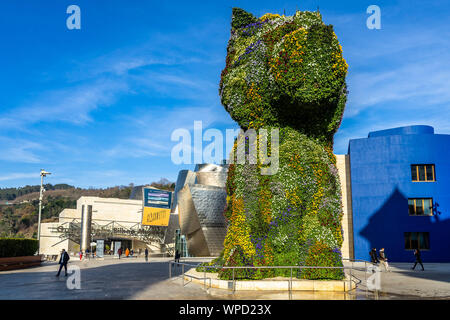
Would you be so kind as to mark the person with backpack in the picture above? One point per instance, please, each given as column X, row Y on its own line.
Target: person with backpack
column 373, row 256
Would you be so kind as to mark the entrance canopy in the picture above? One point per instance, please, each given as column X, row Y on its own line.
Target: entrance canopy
column 147, row 234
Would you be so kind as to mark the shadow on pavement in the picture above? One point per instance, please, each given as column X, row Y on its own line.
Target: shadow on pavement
column 121, row 280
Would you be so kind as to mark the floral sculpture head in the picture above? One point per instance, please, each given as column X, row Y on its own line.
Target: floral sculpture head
column 286, row 72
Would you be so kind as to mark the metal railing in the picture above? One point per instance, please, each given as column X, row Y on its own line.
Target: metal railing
column 351, row 278
column 366, row 263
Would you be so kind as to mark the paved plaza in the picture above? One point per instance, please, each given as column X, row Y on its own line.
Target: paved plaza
column 133, row 278
column 404, row 283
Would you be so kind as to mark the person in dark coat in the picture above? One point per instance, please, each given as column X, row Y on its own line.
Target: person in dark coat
column 418, row 259
column 63, row 262
column 177, row 256
column 119, row 252
column 373, row 256
column 146, row 254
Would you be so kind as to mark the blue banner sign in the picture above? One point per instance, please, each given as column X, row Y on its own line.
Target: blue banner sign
column 155, row 198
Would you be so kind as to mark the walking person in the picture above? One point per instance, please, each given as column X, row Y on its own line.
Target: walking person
column 127, row 252
column 383, row 259
column 119, row 252
column 373, row 256
column 418, row 259
column 63, row 262
column 146, row 254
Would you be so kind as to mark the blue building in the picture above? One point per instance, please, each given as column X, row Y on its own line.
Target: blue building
column 400, row 185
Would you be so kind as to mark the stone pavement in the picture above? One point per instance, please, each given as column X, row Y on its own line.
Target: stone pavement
column 401, row 281
column 133, row 278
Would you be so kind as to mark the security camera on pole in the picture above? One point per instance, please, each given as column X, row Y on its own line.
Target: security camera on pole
column 43, row 174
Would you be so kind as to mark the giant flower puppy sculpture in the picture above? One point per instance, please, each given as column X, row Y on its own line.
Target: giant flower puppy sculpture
column 285, row 72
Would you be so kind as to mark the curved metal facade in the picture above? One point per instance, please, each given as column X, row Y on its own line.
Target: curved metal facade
column 200, row 208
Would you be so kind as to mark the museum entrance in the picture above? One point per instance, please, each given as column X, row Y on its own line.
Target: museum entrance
column 117, row 243
column 111, row 245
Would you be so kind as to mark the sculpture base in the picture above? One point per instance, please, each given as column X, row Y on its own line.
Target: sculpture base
column 272, row 284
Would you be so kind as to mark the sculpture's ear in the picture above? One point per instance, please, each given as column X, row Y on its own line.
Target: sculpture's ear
column 241, row 18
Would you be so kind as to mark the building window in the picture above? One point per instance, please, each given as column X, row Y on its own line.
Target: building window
column 423, row 173
column 420, row 206
column 417, row 240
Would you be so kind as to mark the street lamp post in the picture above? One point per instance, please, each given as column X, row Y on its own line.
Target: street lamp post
column 43, row 174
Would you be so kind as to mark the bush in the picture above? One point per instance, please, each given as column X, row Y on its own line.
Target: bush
column 11, row 247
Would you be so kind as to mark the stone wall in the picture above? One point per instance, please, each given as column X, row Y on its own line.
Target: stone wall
column 343, row 166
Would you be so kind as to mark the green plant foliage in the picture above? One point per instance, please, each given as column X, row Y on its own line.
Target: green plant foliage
column 241, row 18
column 320, row 255
column 12, row 247
column 285, row 72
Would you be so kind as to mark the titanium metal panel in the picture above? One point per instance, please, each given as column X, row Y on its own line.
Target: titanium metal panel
column 184, row 177
column 213, row 178
column 189, row 221
column 201, row 218
column 209, row 202
column 201, row 206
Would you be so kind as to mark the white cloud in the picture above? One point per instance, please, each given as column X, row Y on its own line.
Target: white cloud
column 19, row 150
column 428, row 83
column 18, row 175
column 71, row 104
column 154, row 126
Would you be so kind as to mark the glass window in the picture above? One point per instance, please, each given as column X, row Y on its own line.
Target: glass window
column 407, row 240
column 414, row 172
column 411, row 207
column 423, row 173
column 414, row 243
column 423, row 240
column 415, row 240
column 420, row 206
column 426, row 242
column 427, row 207
column 429, row 169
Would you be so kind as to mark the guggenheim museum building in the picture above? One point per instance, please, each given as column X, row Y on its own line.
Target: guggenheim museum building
column 395, row 187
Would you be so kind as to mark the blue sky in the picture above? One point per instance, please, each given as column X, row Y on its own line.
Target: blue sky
column 97, row 106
